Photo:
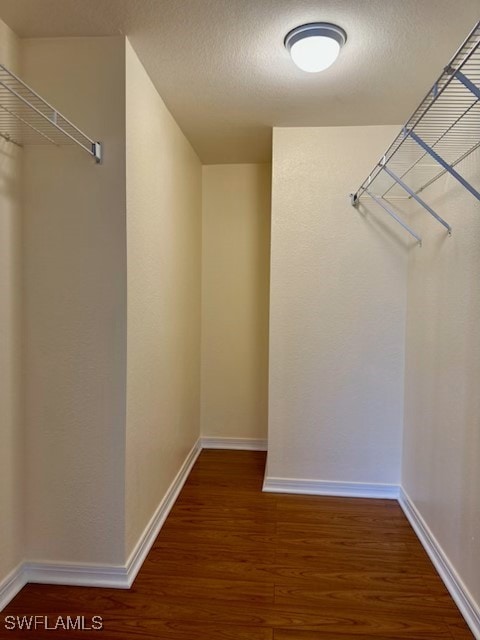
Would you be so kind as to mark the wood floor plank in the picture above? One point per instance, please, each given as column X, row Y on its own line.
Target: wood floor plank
column 317, row 559
column 232, row 562
column 311, row 534
column 200, row 522
column 399, row 623
column 180, row 630
column 296, row 634
column 460, row 631
column 260, row 573
column 305, row 503
column 220, row 511
column 195, row 587
column 352, row 599
column 215, row 537
column 182, row 554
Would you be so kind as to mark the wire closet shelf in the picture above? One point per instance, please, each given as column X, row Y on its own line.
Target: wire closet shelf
column 27, row 119
column 440, row 134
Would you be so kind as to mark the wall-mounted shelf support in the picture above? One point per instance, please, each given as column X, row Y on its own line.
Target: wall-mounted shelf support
column 416, row 197
column 467, row 82
column 27, row 119
column 445, row 127
column 444, row 164
column 385, row 206
column 97, row 152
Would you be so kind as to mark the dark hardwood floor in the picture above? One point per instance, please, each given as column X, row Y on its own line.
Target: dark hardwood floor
column 232, row 562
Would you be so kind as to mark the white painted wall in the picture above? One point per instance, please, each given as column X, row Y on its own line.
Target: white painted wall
column 164, row 182
column 441, row 451
column 75, row 309
column 235, row 298
column 337, row 314
column 11, row 429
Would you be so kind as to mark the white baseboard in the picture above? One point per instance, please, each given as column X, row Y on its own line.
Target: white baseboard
column 469, row 608
column 244, row 444
column 144, row 544
column 331, row 488
column 11, row 585
column 77, row 575
column 93, row 575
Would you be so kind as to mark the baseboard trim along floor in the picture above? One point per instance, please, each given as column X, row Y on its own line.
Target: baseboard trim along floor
column 94, row 575
column 77, row 575
column 469, row 609
column 11, row 585
column 152, row 529
column 330, row 488
column 244, row 444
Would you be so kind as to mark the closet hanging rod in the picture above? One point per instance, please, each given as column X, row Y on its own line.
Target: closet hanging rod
column 442, row 132
column 26, row 118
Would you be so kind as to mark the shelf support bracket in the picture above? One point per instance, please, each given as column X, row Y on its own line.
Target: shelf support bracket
column 97, row 152
column 467, row 83
column 444, row 164
column 416, row 197
column 381, row 202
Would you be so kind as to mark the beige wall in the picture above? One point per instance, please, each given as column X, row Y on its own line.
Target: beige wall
column 164, row 272
column 85, row 500
column 441, row 459
column 235, row 285
column 337, row 314
column 11, row 431
column 75, row 309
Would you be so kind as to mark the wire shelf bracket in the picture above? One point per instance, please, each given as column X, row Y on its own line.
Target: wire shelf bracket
column 27, row 119
column 444, row 128
column 416, row 197
column 444, row 164
column 385, row 206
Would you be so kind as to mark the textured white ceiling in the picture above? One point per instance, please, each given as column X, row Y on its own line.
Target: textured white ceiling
column 221, row 67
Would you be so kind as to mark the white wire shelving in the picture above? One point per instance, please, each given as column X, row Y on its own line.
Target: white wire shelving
column 27, row 119
column 440, row 134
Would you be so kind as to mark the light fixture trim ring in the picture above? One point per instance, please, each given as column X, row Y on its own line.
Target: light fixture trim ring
column 325, row 29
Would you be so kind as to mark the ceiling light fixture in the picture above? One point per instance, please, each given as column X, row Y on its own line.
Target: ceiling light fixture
column 315, row 47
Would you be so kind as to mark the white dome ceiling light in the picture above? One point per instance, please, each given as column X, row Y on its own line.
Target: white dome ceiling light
column 315, row 47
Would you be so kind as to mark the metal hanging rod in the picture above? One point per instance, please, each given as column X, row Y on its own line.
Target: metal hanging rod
column 27, row 119
column 438, row 136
